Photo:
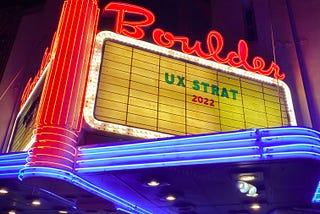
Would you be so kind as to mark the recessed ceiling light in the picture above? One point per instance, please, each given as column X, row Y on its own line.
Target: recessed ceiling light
column 36, row 202
column 3, row 191
column 255, row 206
column 153, row 183
column 12, row 212
column 63, row 212
column 170, row 198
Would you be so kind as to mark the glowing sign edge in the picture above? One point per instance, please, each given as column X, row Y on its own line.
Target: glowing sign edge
column 94, row 70
column 33, row 91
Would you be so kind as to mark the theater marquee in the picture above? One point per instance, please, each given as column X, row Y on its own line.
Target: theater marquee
column 139, row 89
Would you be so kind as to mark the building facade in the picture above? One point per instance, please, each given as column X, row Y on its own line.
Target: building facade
column 283, row 32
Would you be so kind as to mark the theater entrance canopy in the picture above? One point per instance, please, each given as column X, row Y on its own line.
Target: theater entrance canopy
column 112, row 123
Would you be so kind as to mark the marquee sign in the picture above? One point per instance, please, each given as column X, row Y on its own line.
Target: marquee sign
column 144, row 90
column 149, row 91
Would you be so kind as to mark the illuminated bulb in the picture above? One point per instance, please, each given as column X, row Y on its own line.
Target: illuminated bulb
column 3, row 191
column 36, row 202
column 253, row 195
column 247, row 178
column 255, row 206
column 12, row 212
column 252, row 191
column 153, row 183
column 63, row 212
column 243, row 186
column 170, row 198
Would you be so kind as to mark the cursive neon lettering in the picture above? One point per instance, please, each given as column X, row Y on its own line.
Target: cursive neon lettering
column 215, row 50
column 214, row 43
column 130, row 28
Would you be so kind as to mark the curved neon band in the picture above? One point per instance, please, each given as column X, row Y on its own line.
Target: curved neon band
column 255, row 145
column 78, row 181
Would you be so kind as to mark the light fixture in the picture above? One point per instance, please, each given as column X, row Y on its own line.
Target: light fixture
column 243, row 186
column 36, row 202
column 252, row 190
column 153, row 183
column 247, row 188
column 170, row 198
column 62, row 212
column 253, row 195
column 247, row 178
column 255, row 206
column 12, row 212
column 3, row 191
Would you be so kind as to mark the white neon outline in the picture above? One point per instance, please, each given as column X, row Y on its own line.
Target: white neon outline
column 33, row 91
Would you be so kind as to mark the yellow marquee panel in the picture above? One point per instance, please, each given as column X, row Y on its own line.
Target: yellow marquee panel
column 150, row 91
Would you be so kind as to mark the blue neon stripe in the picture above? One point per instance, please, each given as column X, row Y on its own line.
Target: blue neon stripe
column 11, row 163
column 9, row 174
column 126, row 211
column 250, row 145
column 275, row 147
column 271, row 144
column 169, row 142
column 228, row 152
column 291, row 130
column 145, row 165
column 156, row 148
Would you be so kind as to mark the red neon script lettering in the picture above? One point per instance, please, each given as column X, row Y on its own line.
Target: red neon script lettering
column 214, row 43
column 235, row 59
column 130, row 28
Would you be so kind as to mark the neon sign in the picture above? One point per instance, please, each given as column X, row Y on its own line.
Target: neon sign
column 214, row 42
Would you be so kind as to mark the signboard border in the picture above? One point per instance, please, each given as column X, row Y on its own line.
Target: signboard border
column 38, row 84
column 94, row 71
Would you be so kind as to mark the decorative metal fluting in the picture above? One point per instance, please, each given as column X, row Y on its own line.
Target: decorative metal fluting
column 59, row 117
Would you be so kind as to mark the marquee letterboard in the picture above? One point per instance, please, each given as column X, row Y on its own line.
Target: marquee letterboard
column 158, row 92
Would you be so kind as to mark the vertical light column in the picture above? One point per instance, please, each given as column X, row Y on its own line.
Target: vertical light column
column 59, row 116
